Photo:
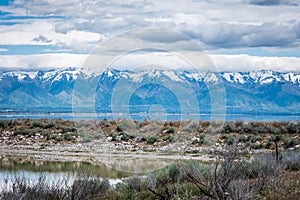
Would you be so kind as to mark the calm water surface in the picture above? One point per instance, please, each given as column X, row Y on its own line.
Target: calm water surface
column 143, row 116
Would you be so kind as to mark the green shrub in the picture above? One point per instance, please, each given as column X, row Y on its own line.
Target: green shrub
column 119, row 129
column 169, row 138
column 291, row 161
column 90, row 188
column 276, row 138
column 87, row 140
column 152, row 139
column 49, row 125
column 290, row 142
column 243, row 138
column 268, row 145
column 262, row 165
column 46, row 134
column 5, row 123
column 68, row 129
column 126, row 137
column 68, row 136
column 201, row 138
column 23, row 131
column 37, row 124
column 229, row 139
column 59, row 138
column 253, row 139
column 257, row 146
column 113, row 136
column 229, row 127
column 258, row 138
column 170, row 130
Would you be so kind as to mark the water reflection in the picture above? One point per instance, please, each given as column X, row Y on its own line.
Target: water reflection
column 115, row 168
column 135, row 164
column 27, row 164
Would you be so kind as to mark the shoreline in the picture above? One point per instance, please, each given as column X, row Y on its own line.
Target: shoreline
column 67, row 140
column 89, row 156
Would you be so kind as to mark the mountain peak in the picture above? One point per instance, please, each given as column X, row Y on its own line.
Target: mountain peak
column 247, row 91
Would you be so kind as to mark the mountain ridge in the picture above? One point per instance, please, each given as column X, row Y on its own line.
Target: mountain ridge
column 264, row 91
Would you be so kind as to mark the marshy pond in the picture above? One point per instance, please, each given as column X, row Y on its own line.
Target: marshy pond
column 114, row 169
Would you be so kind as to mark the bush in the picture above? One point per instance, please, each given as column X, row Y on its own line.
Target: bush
column 290, row 142
column 292, row 127
column 68, row 137
column 49, row 125
column 291, row 160
column 229, row 139
column 134, row 184
column 201, row 138
column 170, row 130
column 169, row 138
column 119, row 129
column 5, row 123
column 229, row 127
column 89, row 188
column 37, row 124
column 152, row 139
column 243, row 138
column 276, row 138
column 253, row 139
column 113, row 136
column 257, row 146
column 246, row 127
column 269, row 145
column 68, row 129
column 23, row 131
column 81, row 188
column 46, row 134
column 126, row 137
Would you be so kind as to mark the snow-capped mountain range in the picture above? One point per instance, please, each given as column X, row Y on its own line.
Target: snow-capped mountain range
column 264, row 91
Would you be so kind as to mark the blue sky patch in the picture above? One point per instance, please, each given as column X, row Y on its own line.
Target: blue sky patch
column 5, row 2
column 26, row 49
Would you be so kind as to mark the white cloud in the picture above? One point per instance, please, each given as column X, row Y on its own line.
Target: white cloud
column 61, row 60
column 163, row 59
column 80, row 25
column 248, row 63
column 43, row 33
column 226, row 24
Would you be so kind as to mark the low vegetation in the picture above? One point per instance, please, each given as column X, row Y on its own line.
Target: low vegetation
column 237, row 173
column 255, row 135
column 230, row 177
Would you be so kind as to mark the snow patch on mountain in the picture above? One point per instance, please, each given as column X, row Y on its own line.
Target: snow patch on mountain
column 71, row 74
column 172, row 76
column 234, row 78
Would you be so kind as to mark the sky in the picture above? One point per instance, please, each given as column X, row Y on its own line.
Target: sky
column 237, row 35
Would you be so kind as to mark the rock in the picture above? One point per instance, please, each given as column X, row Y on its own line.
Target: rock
column 119, row 138
column 109, row 139
column 195, row 139
column 139, row 139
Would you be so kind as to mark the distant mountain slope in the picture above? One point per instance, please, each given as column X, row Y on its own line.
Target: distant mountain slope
column 262, row 91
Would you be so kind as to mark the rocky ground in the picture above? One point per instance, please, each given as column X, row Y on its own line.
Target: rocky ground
column 197, row 139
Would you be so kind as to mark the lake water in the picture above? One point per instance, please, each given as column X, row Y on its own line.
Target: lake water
column 13, row 167
column 113, row 168
column 143, row 116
